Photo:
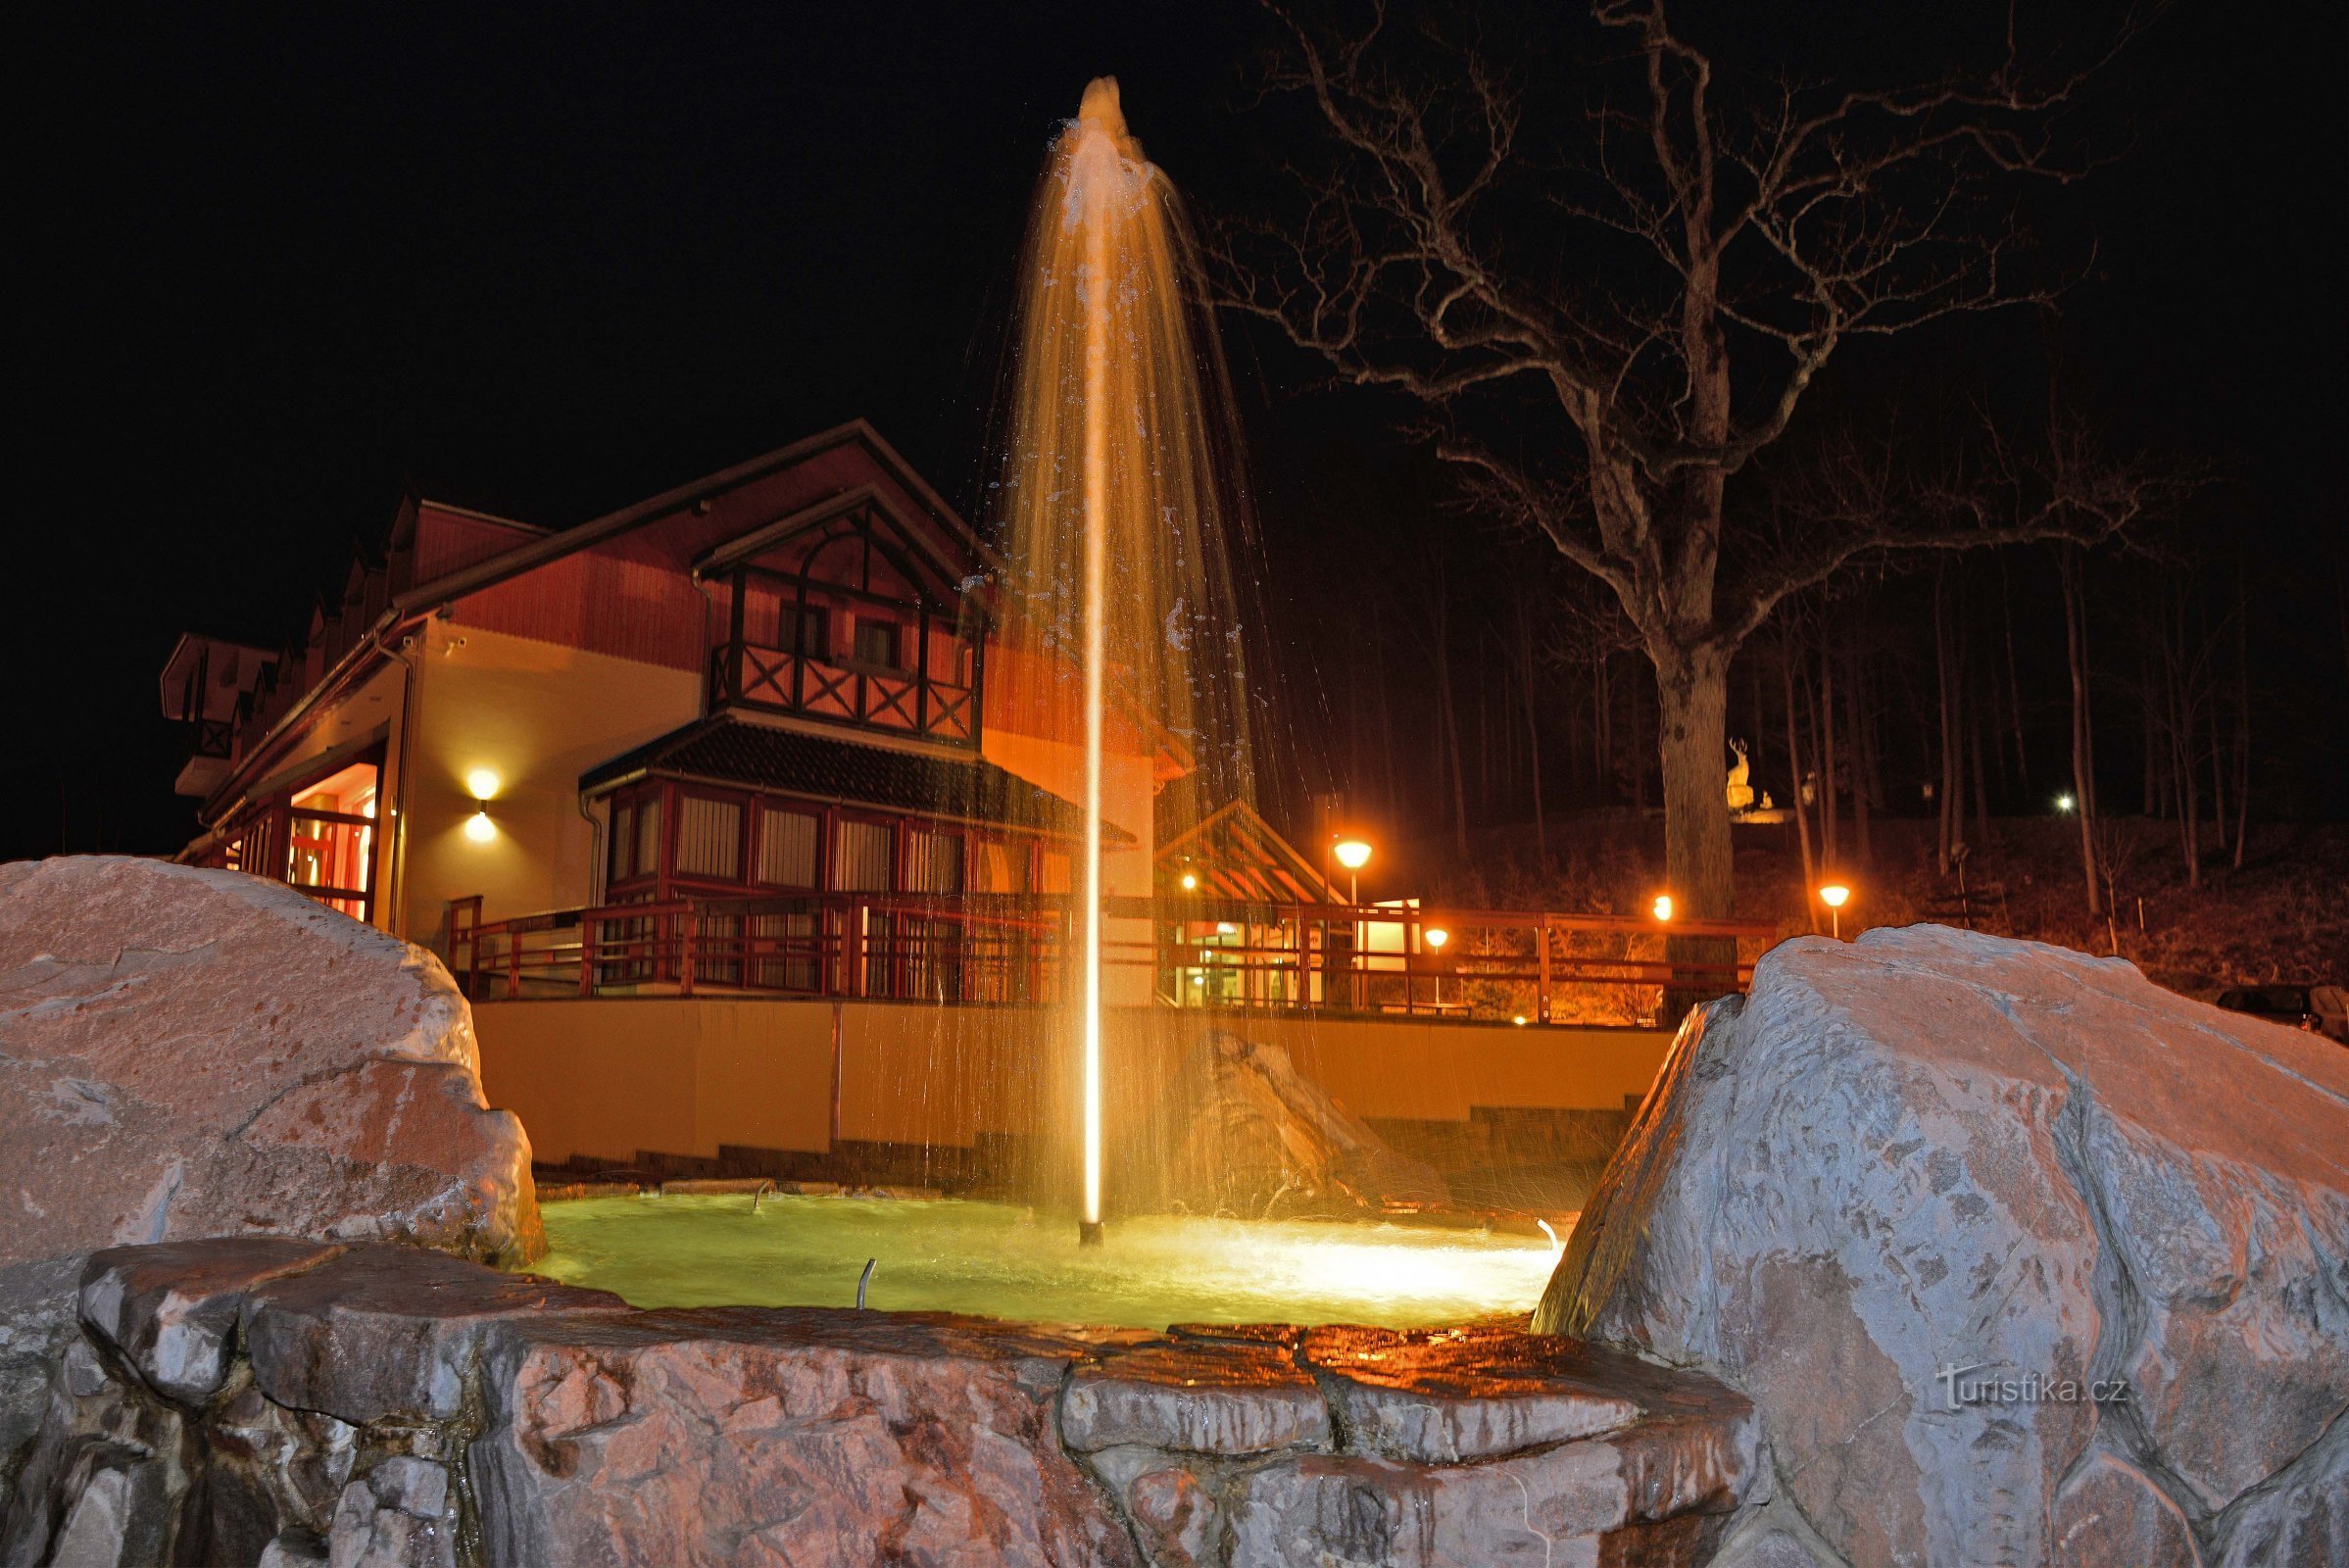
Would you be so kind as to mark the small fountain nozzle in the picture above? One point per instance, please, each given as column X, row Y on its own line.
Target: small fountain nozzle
column 1090, row 1233
column 864, row 1279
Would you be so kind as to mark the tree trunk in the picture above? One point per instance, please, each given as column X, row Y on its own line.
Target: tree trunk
column 1981, row 787
column 1692, row 739
column 1947, row 825
column 2242, row 716
column 1533, row 724
column 1832, row 835
column 1802, row 813
column 2014, row 682
column 1855, row 727
column 2083, row 749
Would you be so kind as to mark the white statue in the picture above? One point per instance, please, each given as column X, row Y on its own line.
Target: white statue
column 1740, row 791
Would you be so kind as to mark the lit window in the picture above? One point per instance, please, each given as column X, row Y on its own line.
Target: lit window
column 710, row 838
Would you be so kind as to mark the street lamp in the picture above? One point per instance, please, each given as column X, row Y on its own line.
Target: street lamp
column 2064, row 804
column 1663, row 906
column 1435, row 936
column 1835, row 894
column 1354, row 854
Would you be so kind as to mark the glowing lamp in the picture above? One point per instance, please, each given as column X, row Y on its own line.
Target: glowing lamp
column 1519, row 1020
column 479, row 828
column 482, row 784
column 1835, row 894
column 1663, row 906
column 1190, row 882
column 1435, row 936
column 1352, row 854
column 2065, row 803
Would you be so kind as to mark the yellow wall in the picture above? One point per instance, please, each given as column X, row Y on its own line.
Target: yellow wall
column 538, row 716
column 606, row 1078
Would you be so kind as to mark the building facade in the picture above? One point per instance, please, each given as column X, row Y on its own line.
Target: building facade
column 791, row 679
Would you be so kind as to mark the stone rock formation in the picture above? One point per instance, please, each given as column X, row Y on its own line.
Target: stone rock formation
column 2023, row 1259
column 1255, row 1136
column 187, row 1052
column 274, row 1401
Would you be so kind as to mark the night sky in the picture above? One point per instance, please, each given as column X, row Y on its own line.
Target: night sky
column 287, row 261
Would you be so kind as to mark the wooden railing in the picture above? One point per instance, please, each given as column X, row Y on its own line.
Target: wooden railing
column 1500, row 965
column 906, row 700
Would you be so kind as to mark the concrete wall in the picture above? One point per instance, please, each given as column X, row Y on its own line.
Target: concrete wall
column 607, row 1078
column 537, row 715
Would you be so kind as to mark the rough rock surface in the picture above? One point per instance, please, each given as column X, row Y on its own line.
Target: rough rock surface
column 188, row 1054
column 252, row 1399
column 1933, row 1164
column 1258, row 1138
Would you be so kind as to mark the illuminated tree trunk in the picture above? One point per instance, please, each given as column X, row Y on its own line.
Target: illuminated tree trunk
column 1693, row 733
column 2083, row 742
column 1802, row 813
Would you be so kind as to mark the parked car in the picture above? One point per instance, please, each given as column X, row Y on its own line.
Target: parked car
column 2321, row 1009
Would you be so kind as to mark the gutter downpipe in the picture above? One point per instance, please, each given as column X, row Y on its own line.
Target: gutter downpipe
column 408, row 646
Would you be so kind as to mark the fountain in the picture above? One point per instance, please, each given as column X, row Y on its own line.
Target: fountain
column 1118, row 447
column 1122, row 522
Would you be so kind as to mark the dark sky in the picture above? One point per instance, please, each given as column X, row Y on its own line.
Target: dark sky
column 286, row 260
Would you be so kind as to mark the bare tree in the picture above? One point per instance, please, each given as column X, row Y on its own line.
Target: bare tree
column 1604, row 332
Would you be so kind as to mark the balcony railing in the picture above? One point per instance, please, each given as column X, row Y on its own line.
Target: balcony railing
column 210, row 737
column 902, row 700
column 1505, row 966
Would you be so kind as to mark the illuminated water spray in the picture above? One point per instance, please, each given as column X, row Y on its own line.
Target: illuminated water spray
column 1117, row 516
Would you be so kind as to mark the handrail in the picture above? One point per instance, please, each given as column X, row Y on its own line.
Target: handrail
column 1525, row 967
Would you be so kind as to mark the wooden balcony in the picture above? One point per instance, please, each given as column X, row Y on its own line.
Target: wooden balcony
column 775, row 680
column 1472, row 965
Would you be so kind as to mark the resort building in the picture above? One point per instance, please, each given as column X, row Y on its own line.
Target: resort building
column 784, row 702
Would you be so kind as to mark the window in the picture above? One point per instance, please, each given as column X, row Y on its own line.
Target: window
column 877, row 643
column 867, row 857
column 710, row 838
column 786, row 849
column 932, row 861
column 623, row 841
column 998, row 868
column 1053, row 873
column 815, row 638
column 648, row 837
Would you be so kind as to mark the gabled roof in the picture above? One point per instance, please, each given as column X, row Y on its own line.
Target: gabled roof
column 418, row 599
column 553, row 546
column 944, row 576
column 761, row 757
column 1238, row 855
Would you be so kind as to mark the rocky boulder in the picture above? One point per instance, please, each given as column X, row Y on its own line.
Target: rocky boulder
column 2023, row 1259
column 188, row 1054
column 251, row 1399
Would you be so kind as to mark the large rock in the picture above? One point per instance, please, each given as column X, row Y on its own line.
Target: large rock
column 188, row 1054
column 249, row 1399
column 2023, row 1259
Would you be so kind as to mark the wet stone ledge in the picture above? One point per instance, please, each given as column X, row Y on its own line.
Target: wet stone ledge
column 265, row 1400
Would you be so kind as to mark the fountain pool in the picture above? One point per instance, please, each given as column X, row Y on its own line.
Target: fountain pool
column 1002, row 1260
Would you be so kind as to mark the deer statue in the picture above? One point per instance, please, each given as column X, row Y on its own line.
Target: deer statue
column 1741, row 791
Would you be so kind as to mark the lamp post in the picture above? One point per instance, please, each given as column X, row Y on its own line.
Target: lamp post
column 1835, row 894
column 1354, row 854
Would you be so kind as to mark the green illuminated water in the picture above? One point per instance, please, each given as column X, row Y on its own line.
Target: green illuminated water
column 999, row 1260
